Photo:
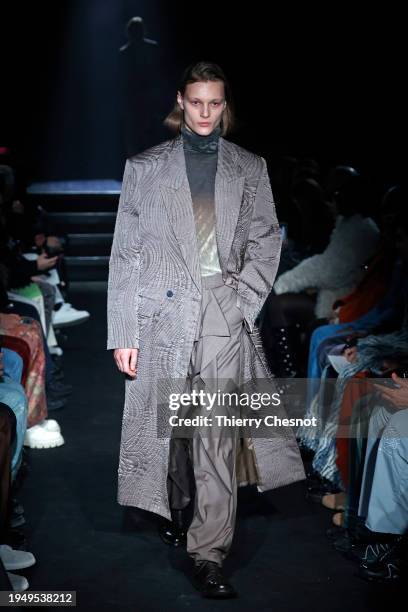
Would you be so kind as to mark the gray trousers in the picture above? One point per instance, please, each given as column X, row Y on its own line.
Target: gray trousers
column 384, row 491
column 206, row 460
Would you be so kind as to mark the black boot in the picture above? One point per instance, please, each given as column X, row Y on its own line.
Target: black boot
column 174, row 533
column 211, row 582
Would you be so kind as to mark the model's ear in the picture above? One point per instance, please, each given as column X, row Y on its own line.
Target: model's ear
column 180, row 100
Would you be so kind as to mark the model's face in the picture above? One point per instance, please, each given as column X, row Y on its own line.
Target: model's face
column 203, row 104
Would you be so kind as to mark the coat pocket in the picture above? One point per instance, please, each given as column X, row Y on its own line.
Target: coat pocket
column 151, row 302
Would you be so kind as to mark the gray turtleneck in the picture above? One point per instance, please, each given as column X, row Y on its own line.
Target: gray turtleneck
column 201, row 155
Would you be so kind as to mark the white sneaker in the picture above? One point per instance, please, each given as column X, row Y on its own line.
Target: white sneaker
column 50, row 425
column 38, row 437
column 55, row 350
column 19, row 583
column 15, row 559
column 68, row 315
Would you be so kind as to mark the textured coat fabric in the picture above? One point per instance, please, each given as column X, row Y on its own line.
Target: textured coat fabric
column 154, row 297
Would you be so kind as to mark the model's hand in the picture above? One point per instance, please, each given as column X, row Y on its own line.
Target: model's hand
column 126, row 360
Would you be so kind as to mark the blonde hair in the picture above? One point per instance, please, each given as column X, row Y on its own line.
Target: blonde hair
column 202, row 71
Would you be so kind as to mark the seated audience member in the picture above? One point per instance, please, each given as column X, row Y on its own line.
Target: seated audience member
column 336, row 272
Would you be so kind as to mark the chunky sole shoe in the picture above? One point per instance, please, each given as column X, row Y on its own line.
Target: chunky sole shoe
column 15, row 559
column 209, row 579
column 38, row 437
column 19, row 583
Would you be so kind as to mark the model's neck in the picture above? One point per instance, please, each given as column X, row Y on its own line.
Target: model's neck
column 196, row 142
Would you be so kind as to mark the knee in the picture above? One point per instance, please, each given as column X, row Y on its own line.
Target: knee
column 379, row 419
column 17, row 402
column 398, row 423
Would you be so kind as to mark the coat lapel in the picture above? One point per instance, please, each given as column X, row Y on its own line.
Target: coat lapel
column 175, row 189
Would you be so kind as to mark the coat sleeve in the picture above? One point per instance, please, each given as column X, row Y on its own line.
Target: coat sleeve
column 262, row 252
column 124, row 268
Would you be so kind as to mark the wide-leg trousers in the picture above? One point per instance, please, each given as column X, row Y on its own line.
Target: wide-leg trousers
column 206, row 460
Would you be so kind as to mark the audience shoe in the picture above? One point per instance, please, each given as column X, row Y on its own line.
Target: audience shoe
column 56, row 350
column 39, row 437
column 385, row 562
column 174, row 532
column 15, row 559
column 50, row 425
column 379, row 552
column 68, row 315
column 211, row 582
column 387, row 571
column 19, row 583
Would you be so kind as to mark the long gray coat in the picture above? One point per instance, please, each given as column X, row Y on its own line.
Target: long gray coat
column 154, row 295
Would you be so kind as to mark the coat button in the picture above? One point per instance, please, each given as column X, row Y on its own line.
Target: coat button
column 169, row 293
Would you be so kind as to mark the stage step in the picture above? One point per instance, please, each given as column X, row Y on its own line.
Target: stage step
column 85, row 213
column 83, row 222
column 86, row 268
column 89, row 244
column 77, row 202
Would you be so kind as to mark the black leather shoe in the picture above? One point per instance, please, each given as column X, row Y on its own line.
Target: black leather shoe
column 211, row 582
column 174, row 533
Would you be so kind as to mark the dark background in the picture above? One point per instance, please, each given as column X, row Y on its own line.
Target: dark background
column 324, row 82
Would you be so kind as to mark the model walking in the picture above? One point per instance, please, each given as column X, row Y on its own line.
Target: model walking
column 194, row 256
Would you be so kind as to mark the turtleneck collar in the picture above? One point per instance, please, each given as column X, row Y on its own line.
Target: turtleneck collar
column 202, row 144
